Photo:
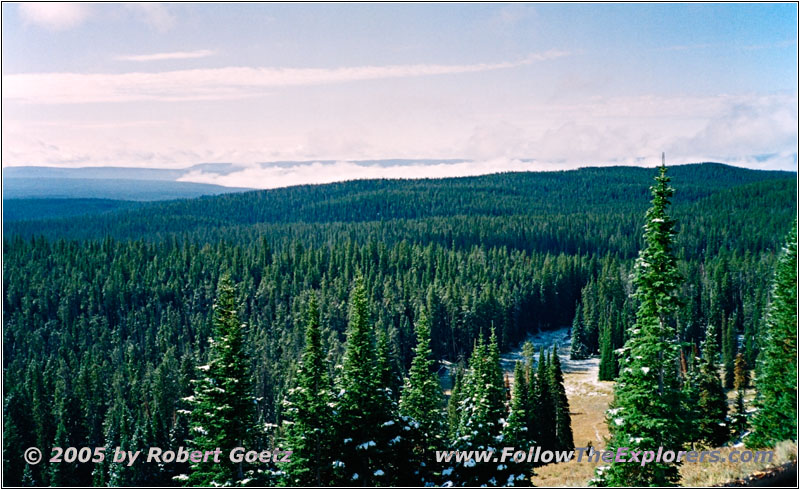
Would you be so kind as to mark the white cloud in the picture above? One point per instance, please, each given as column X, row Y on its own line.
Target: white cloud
column 54, row 15
column 176, row 55
column 156, row 15
column 217, row 83
column 270, row 177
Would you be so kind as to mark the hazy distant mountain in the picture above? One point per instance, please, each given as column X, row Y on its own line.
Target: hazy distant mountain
column 44, row 208
column 118, row 189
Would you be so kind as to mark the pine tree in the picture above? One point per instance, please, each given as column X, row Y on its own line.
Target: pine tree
column 309, row 413
column 729, row 353
column 364, row 417
column 741, row 380
column 578, row 348
column 423, row 402
column 222, row 414
column 454, row 402
column 516, row 433
column 776, row 403
column 482, row 411
column 643, row 414
column 531, row 408
column 607, row 370
column 710, row 423
column 563, row 426
column 546, row 408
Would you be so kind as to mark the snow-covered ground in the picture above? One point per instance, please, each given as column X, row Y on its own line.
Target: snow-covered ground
column 546, row 339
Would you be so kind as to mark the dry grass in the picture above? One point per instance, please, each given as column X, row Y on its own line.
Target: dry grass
column 708, row 474
column 589, row 399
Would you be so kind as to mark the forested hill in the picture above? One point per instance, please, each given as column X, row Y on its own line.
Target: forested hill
column 587, row 190
column 102, row 336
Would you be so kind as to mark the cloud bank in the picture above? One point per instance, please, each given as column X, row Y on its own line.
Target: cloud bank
column 215, row 83
column 273, row 176
column 56, row 16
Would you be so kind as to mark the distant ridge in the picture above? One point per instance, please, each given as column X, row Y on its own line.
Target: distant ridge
column 116, row 189
column 535, row 194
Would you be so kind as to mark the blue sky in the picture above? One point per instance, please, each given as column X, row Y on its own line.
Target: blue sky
column 506, row 86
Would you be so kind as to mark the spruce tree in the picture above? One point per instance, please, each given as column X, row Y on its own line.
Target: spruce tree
column 643, row 414
column 222, row 414
column 531, row 408
column 309, row 413
column 482, row 408
column 516, row 433
column 607, row 370
column 741, row 380
column 364, row 417
column 578, row 348
column 711, row 424
column 454, row 402
column 422, row 401
column 729, row 353
column 776, row 384
column 563, row 425
column 546, row 408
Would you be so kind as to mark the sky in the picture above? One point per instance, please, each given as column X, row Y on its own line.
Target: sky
column 499, row 86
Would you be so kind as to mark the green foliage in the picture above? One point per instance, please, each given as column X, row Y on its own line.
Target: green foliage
column 365, row 419
column 309, row 415
column 578, row 348
column 422, row 401
column 711, row 407
column 222, row 403
column 482, row 407
column 776, row 416
column 643, row 413
column 563, row 425
column 607, row 369
column 120, row 306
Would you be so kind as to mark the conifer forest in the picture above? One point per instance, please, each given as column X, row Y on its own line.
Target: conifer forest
column 361, row 325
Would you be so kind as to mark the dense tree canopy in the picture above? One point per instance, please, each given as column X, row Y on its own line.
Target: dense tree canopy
column 107, row 318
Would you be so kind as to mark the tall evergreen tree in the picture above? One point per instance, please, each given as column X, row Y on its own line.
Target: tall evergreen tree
column 643, row 414
column 710, row 422
column 309, row 413
column 454, row 402
column 364, row 408
column 776, row 385
column 222, row 413
column 741, row 380
column 423, row 402
column 563, row 425
column 546, row 408
column 578, row 348
column 729, row 353
column 607, row 370
column 482, row 408
column 516, row 433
